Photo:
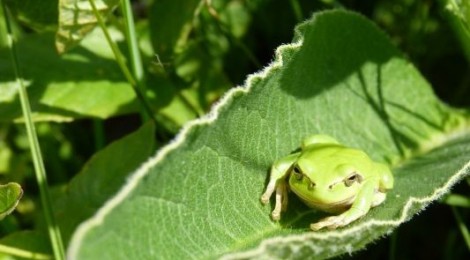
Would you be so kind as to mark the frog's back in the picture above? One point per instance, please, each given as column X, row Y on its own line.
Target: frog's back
column 327, row 155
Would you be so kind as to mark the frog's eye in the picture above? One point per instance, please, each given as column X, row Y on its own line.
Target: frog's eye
column 298, row 173
column 355, row 177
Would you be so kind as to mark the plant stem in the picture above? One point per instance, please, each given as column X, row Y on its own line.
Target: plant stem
column 53, row 229
column 297, row 10
column 462, row 227
column 136, row 60
column 23, row 253
column 134, row 53
column 120, row 60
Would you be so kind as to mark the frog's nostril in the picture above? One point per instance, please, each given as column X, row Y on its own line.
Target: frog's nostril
column 311, row 185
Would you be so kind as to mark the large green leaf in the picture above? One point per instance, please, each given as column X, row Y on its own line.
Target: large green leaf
column 199, row 196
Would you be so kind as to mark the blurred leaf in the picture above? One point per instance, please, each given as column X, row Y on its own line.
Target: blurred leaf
column 37, row 14
column 85, row 82
column 203, row 73
column 457, row 200
column 5, row 157
column 235, row 14
column 30, row 241
column 170, row 21
column 189, row 52
column 199, row 196
column 76, row 20
column 10, row 195
column 82, row 83
column 102, row 176
column 458, row 12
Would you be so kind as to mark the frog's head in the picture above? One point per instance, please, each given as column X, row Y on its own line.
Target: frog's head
column 326, row 185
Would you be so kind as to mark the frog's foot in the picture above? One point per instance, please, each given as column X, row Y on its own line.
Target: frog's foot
column 379, row 198
column 281, row 201
column 334, row 222
column 281, row 197
column 269, row 191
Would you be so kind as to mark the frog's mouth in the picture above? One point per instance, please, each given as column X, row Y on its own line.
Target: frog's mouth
column 333, row 207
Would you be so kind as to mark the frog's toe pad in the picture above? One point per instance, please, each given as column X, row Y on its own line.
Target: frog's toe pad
column 276, row 216
column 330, row 223
column 264, row 199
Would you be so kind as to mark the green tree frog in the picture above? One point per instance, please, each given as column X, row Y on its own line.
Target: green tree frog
column 331, row 177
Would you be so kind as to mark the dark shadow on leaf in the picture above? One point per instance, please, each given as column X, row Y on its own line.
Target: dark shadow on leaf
column 330, row 55
column 378, row 107
column 299, row 216
column 418, row 116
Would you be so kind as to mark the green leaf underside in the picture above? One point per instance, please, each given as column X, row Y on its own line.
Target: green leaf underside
column 199, row 196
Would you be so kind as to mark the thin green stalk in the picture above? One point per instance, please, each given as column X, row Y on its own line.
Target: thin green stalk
column 120, row 60
column 462, row 227
column 297, row 10
column 53, row 229
column 134, row 53
column 136, row 60
column 23, row 253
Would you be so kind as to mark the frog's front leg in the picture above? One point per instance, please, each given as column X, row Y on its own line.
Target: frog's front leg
column 364, row 200
column 277, row 182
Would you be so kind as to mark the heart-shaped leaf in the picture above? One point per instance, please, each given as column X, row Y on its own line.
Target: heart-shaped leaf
column 10, row 195
column 341, row 76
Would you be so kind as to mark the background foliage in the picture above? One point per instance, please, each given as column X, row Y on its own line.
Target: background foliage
column 193, row 51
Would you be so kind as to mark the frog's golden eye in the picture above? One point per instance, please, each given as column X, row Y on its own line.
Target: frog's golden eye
column 355, row 177
column 298, row 173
